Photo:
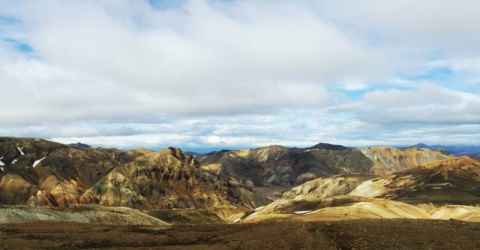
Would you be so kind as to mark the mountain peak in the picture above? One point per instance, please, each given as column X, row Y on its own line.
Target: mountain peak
column 328, row 146
column 79, row 145
column 420, row 145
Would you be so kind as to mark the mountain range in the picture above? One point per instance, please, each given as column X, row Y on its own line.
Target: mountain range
column 35, row 172
column 322, row 182
column 456, row 150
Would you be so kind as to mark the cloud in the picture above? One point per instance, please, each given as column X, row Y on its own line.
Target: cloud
column 426, row 24
column 427, row 103
column 192, row 60
column 238, row 73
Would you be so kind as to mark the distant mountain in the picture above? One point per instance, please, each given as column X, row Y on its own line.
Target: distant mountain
column 456, row 150
column 419, row 145
column 328, row 146
column 387, row 160
column 283, row 166
column 79, row 145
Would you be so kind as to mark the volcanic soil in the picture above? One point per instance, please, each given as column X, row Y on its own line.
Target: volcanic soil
column 352, row 234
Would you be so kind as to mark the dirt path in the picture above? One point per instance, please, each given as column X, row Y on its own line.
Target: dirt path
column 359, row 234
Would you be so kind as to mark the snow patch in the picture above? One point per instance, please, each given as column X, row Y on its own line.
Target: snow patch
column 20, row 150
column 1, row 162
column 37, row 161
column 302, row 212
column 14, row 161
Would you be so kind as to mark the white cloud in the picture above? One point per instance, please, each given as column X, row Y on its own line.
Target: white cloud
column 238, row 73
column 428, row 24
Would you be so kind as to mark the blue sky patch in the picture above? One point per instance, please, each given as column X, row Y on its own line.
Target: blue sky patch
column 8, row 20
column 355, row 95
column 165, row 4
column 440, row 74
column 19, row 46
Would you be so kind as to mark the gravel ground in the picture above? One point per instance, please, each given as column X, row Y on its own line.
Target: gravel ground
column 354, row 234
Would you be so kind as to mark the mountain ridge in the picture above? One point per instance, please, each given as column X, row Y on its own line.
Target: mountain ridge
column 41, row 173
column 38, row 172
column 456, row 150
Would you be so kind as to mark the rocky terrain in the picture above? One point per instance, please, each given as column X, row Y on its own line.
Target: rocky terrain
column 35, row 172
column 40, row 173
column 302, row 198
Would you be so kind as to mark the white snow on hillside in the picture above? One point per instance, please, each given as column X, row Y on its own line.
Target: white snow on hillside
column 37, row 161
column 20, row 150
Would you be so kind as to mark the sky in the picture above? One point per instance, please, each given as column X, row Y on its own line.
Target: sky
column 229, row 74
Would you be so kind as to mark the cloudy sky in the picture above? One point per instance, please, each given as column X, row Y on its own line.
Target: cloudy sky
column 212, row 74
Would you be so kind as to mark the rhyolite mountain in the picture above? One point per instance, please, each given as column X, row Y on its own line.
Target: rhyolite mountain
column 42, row 173
column 387, row 160
column 449, row 181
column 445, row 189
column 39, row 172
column 283, row 166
